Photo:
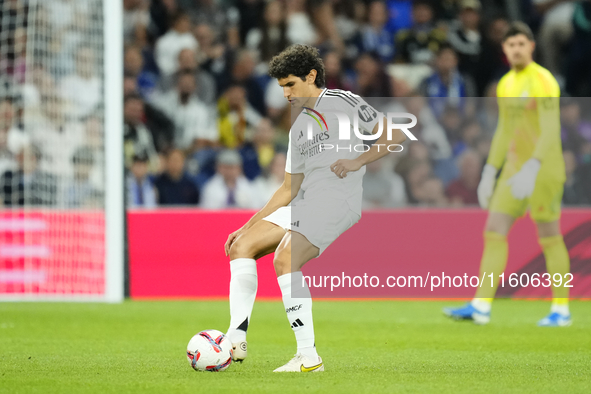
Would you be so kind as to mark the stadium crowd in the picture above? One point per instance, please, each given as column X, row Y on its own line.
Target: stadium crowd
column 204, row 125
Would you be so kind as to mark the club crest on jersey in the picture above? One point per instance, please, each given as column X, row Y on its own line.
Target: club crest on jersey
column 317, row 116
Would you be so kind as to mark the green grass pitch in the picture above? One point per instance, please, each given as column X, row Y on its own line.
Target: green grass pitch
column 367, row 346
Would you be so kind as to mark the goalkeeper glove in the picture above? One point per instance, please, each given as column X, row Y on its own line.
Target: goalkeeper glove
column 486, row 185
column 523, row 183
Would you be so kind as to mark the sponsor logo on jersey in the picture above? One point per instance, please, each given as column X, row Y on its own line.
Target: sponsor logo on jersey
column 366, row 113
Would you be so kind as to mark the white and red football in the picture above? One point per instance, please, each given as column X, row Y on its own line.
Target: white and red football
column 209, row 350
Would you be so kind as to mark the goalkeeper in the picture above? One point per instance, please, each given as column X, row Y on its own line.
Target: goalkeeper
column 527, row 147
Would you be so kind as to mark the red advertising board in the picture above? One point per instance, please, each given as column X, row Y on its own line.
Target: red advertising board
column 180, row 253
column 50, row 252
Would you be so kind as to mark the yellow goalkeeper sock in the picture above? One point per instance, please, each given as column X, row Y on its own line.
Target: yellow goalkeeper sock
column 494, row 260
column 557, row 262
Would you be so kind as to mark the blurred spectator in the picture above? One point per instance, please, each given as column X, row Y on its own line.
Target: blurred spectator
column 94, row 137
column 267, row 185
column 419, row 44
column 446, row 82
column 137, row 137
column 211, row 49
column 578, row 75
column 243, row 74
column 349, row 16
column 270, row 37
column 146, row 81
column 374, row 37
column 372, row 79
column 452, row 122
column 428, row 130
column 555, row 32
column 168, row 46
column 40, row 83
column 80, row 191
column 492, row 64
column 431, row 193
column 257, row 155
column 470, row 134
column 140, row 188
column 235, row 117
column 300, row 29
column 194, row 126
column 28, row 185
column 135, row 13
column 414, row 172
column 83, row 88
column 465, row 38
column 251, row 14
column 576, row 132
column 399, row 15
column 223, row 19
column 577, row 188
column 12, row 139
column 488, row 116
column 334, row 75
column 56, row 136
column 162, row 14
column 174, row 186
column 206, row 87
column 13, row 60
column 277, row 105
column 382, row 188
column 323, row 18
column 214, row 56
column 462, row 191
column 229, row 188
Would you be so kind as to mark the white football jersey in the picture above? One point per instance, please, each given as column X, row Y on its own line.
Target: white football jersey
column 313, row 157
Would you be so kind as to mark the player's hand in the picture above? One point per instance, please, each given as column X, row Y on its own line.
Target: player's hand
column 523, row 183
column 343, row 166
column 486, row 185
column 231, row 238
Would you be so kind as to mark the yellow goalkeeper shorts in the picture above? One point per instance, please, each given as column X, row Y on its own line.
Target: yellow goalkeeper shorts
column 543, row 204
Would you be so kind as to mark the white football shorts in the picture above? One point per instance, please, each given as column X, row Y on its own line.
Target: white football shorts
column 320, row 221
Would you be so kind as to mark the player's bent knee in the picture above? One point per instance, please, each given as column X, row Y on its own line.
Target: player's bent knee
column 282, row 261
column 241, row 249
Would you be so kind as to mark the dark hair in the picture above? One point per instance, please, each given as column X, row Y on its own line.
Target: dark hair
column 517, row 28
column 422, row 3
column 141, row 157
column 446, row 47
column 298, row 60
column 7, row 99
column 132, row 96
column 177, row 16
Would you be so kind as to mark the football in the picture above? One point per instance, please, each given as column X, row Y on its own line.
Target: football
column 209, row 350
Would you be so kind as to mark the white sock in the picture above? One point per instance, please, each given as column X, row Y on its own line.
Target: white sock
column 483, row 305
column 299, row 312
column 560, row 308
column 243, row 291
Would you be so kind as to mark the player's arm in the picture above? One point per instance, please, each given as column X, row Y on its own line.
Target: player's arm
column 496, row 156
column 549, row 115
column 501, row 139
column 282, row 197
column 378, row 150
